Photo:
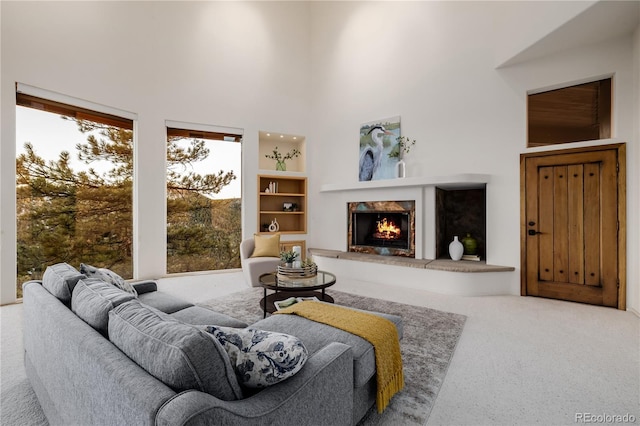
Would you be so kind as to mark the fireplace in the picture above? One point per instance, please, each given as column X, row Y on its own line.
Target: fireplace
column 382, row 227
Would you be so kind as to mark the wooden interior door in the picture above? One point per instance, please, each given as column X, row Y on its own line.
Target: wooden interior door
column 572, row 244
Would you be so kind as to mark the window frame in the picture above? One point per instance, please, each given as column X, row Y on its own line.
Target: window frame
column 53, row 102
column 207, row 132
column 571, row 113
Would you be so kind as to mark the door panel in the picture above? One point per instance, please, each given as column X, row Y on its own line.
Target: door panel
column 560, row 231
column 570, row 226
column 545, row 221
column 575, row 208
column 591, row 224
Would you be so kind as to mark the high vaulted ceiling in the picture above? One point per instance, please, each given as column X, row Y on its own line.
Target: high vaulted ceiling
column 604, row 20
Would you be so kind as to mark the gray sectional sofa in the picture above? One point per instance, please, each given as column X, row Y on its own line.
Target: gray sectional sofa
column 96, row 356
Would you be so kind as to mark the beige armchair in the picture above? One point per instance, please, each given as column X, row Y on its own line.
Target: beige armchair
column 253, row 267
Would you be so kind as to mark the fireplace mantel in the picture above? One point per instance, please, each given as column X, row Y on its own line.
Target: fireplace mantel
column 460, row 181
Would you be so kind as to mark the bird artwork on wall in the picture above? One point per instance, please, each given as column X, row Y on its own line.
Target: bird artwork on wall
column 377, row 139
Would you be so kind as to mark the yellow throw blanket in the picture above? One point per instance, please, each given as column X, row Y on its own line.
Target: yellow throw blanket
column 378, row 331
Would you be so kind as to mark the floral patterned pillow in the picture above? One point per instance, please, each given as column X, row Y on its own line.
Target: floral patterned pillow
column 261, row 358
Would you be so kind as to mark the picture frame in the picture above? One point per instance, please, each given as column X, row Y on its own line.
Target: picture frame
column 377, row 139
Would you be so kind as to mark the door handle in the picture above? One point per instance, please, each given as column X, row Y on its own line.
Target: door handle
column 533, row 232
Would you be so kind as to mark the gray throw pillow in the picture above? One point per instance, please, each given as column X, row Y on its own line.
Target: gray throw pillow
column 108, row 276
column 261, row 358
column 92, row 299
column 180, row 355
column 60, row 279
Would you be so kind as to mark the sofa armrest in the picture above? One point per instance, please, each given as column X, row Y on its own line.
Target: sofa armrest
column 31, row 282
column 320, row 394
column 145, row 286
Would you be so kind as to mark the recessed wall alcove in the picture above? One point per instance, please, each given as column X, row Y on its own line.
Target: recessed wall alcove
column 460, row 212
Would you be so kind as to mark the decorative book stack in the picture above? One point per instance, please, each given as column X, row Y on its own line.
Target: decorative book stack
column 473, row 257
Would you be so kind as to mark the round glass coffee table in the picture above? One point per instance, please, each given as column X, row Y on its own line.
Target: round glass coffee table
column 284, row 289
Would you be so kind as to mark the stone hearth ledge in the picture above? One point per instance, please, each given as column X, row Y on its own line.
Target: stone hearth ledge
column 435, row 264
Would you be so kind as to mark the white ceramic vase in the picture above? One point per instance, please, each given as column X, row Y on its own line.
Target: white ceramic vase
column 456, row 249
column 401, row 168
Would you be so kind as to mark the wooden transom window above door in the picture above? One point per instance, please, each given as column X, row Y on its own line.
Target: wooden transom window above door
column 573, row 226
column 570, row 114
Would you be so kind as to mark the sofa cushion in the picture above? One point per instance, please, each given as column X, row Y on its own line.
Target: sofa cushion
column 316, row 335
column 266, row 245
column 164, row 302
column 60, row 279
column 261, row 358
column 182, row 356
column 197, row 315
column 145, row 286
column 107, row 276
column 92, row 299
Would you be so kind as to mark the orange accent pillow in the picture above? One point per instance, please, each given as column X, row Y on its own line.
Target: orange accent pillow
column 266, row 245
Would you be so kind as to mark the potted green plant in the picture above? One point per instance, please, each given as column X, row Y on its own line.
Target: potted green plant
column 288, row 257
column 280, row 159
column 403, row 147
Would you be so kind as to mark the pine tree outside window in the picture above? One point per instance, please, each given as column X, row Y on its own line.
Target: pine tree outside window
column 74, row 171
column 204, row 227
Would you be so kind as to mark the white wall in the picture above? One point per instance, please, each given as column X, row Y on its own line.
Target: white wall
column 633, row 231
column 237, row 64
column 317, row 69
column 433, row 63
column 521, row 24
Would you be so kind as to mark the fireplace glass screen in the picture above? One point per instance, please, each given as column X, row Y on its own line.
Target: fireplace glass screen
column 381, row 229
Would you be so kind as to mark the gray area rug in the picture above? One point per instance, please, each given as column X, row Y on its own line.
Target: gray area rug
column 430, row 339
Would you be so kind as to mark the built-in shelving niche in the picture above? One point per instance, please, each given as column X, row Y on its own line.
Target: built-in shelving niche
column 458, row 212
column 268, row 141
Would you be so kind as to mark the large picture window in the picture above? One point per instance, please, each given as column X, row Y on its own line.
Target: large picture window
column 74, row 171
column 203, row 198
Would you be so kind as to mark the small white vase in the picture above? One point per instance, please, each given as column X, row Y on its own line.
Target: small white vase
column 456, row 249
column 401, row 168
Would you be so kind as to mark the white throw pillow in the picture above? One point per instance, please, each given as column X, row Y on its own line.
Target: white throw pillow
column 261, row 358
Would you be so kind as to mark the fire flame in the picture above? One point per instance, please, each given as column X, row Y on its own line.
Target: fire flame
column 387, row 230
